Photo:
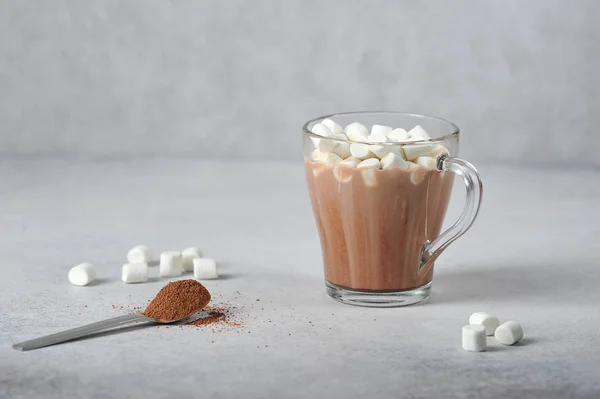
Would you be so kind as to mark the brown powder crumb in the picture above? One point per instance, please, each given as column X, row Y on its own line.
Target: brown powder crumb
column 177, row 300
column 220, row 318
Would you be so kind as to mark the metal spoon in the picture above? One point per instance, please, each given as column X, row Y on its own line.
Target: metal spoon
column 89, row 329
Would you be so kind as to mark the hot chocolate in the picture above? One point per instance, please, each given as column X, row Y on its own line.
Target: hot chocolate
column 373, row 223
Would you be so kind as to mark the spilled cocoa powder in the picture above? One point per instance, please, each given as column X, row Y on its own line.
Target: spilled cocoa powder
column 177, row 300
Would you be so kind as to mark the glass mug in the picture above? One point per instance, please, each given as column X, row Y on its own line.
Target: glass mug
column 380, row 225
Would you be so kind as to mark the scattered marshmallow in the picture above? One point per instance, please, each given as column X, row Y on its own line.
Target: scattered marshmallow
column 134, row 273
column 509, row 333
column 417, row 173
column 369, row 169
column 361, row 151
column 205, row 269
column 381, row 130
column 418, row 133
column 171, row 264
column 490, row 323
column 188, row 255
column 82, row 274
column 323, row 145
column 398, row 135
column 427, row 162
column 393, row 160
column 357, row 132
column 333, row 126
column 139, row 254
column 473, row 338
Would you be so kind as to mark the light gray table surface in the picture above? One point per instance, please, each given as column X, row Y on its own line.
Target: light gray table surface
column 532, row 256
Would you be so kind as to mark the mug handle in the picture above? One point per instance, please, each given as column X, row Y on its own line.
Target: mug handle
column 431, row 250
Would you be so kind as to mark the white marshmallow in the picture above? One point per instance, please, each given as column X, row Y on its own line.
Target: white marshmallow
column 171, row 264
column 139, row 254
column 205, row 269
column 509, row 333
column 188, row 255
column 350, row 161
column 342, row 149
column 418, row 133
column 333, row 126
column 357, row 132
column 361, row 151
column 369, row 171
column 317, row 155
column 427, row 162
column 343, row 170
column 438, row 150
column 369, row 163
column 490, row 323
column 380, row 130
column 393, row 160
column 134, row 273
column 398, row 135
column 82, row 274
column 417, row 173
column 331, row 159
column 473, row 338
column 323, row 145
column 382, row 150
column 322, row 130
column 414, row 151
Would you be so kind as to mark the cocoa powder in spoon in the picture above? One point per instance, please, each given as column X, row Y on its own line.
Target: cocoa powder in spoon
column 177, row 300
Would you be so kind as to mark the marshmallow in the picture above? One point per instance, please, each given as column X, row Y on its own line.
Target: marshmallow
column 171, row 264
column 490, row 323
column 134, row 273
column 205, row 269
column 427, row 162
column 139, row 254
column 382, row 150
column 331, row 159
column 393, row 160
column 357, row 132
column 342, row 149
column 417, row 173
column 398, row 135
column 317, row 155
column 473, row 338
column 333, row 126
column 343, row 170
column 350, row 161
column 323, row 145
column 438, row 150
column 361, row 151
column 414, row 151
column 509, row 333
column 380, row 130
column 188, row 255
column 418, row 133
column 369, row 169
column 82, row 274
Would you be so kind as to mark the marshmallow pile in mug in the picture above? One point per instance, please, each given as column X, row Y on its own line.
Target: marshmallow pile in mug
column 369, row 149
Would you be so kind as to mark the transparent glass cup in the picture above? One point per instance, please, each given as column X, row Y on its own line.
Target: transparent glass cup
column 380, row 225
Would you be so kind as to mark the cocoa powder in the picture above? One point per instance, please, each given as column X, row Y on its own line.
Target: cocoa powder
column 177, row 300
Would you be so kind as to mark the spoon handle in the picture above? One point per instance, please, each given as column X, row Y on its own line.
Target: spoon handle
column 79, row 332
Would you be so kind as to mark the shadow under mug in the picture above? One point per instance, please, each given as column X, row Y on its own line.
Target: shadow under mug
column 380, row 226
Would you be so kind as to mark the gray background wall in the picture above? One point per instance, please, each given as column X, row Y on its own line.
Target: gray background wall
column 210, row 79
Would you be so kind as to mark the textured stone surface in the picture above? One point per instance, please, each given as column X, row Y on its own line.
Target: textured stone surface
column 532, row 257
column 155, row 77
